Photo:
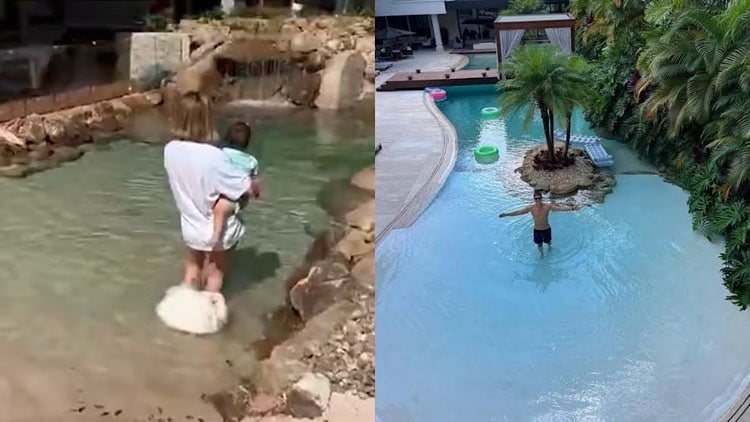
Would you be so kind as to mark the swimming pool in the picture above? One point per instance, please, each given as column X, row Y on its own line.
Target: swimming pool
column 624, row 320
column 89, row 249
column 481, row 61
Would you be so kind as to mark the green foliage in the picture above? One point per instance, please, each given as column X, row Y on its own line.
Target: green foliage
column 156, row 23
column 547, row 80
column 689, row 111
column 525, row 7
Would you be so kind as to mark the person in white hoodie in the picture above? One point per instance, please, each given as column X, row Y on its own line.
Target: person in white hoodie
column 199, row 175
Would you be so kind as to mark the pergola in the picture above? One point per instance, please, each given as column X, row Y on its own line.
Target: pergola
column 559, row 27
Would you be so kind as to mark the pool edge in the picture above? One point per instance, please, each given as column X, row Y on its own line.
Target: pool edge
column 429, row 190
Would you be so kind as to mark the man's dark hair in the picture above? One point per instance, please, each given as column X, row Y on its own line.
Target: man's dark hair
column 537, row 192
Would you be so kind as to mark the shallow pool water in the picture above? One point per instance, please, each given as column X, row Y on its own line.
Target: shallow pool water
column 624, row 320
column 481, row 61
column 89, row 248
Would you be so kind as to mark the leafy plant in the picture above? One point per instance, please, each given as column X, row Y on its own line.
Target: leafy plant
column 525, row 7
column 549, row 81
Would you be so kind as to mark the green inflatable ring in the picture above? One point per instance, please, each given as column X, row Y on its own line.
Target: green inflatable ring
column 490, row 112
column 487, row 153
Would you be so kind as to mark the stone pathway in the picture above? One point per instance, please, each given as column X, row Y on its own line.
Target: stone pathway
column 418, row 146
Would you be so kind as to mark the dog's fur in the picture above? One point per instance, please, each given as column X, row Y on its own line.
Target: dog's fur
column 192, row 311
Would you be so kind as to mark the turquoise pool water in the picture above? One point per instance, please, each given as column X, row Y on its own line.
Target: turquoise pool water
column 625, row 320
column 481, row 61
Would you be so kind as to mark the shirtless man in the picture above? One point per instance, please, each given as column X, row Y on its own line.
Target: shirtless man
column 540, row 211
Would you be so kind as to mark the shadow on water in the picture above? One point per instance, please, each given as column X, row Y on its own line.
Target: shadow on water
column 246, row 267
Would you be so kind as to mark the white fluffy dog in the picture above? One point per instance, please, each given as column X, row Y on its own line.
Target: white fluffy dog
column 197, row 312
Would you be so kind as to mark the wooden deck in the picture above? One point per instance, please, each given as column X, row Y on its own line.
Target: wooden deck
column 413, row 80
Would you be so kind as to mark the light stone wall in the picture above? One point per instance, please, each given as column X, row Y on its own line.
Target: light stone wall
column 144, row 55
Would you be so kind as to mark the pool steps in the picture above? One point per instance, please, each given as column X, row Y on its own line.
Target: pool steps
column 592, row 146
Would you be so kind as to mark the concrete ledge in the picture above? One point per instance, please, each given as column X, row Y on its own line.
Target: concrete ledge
column 435, row 181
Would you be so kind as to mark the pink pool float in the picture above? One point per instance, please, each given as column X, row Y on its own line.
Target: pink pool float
column 438, row 94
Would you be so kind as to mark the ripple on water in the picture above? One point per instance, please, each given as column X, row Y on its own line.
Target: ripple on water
column 613, row 324
column 89, row 248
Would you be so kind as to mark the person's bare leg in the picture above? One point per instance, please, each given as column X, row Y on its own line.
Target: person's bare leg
column 221, row 212
column 193, row 268
column 214, row 270
column 541, row 251
column 549, row 246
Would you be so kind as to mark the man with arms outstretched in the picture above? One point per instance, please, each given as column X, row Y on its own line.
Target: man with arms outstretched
column 540, row 211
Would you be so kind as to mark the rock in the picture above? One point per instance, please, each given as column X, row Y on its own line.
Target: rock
column 585, row 184
column 15, row 170
column 302, row 88
column 363, row 217
column 327, row 270
column 64, row 154
column 40, row 152
column 544, row 186
column 607, row 189
column 29, row 128
column 142, row 101
column 304, row 42
column 103, row 118
column 365, row 44
column 564, row 188
column 310, row 299
column 341, row 81
column 309, row 397
column 315, row 62
column 364, row 272
column 264, row 404
column 202, row 77
column 365, row 179
column 11, row 138
column 54, row 126
column 355, row 245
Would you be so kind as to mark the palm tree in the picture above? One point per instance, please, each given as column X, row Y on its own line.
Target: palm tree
column 547, row 79
column 696, row 63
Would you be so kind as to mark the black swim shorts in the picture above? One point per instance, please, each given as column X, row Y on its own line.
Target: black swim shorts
column 543, row 236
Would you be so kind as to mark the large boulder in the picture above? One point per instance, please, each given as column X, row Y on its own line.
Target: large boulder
column 365, row 179
column 302, row 88
column 364, row 272
column 355, row 245
column 203, row 77
column 363, row 217
column 564, row 188
column 309, row 397
column 304, row 43
column 9, row 138
column 310, row 299
column 341, row 81
column 28, row 128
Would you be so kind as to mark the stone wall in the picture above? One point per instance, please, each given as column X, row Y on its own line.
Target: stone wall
column 335, row 297
column 145, row 57
column 41, row 141
column 332, row 59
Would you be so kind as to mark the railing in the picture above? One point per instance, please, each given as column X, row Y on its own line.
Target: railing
column 60, row 101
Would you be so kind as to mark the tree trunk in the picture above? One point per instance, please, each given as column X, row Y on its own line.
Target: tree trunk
column 545, row 124
column 567, row 135
column 550, row 133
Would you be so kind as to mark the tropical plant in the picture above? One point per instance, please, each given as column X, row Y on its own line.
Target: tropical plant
column 525, row 7
column 548, row 80
column 686, row 63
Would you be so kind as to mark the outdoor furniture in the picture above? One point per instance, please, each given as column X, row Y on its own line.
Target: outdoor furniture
column 381, row 67
column 407, row 52
column 385, row 54
column 397, row 54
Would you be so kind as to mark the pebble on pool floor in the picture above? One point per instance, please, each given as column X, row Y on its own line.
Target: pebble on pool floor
column 197, row 312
